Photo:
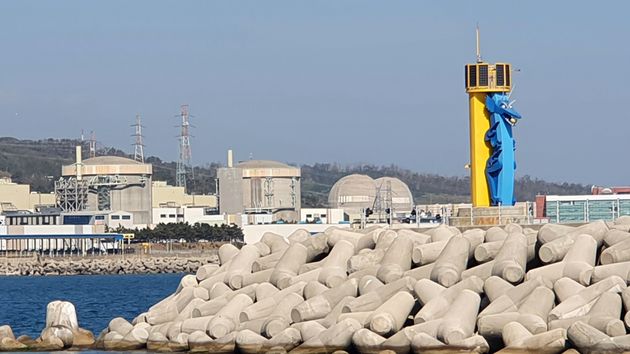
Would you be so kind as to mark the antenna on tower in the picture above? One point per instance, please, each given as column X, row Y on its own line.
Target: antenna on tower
column 92, row 144
column 479, row 60
column 185, row 154
column 138, row 153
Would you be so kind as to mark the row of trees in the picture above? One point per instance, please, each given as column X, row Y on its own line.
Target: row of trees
column 190, row 233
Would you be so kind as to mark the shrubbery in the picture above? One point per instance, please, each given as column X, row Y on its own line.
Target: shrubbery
column 190, row 233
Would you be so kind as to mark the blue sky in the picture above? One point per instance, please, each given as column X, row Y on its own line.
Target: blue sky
column 322, row 81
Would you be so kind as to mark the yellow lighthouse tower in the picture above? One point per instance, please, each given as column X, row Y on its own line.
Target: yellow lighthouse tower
column 483, row 79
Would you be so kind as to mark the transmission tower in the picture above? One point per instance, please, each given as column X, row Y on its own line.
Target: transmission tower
column 138, row 153
column 185, row 154
column 92, row 144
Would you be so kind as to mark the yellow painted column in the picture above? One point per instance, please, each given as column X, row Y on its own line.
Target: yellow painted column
column 479, row 149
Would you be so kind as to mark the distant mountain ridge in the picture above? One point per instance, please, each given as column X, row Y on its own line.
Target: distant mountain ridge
column 38, row 163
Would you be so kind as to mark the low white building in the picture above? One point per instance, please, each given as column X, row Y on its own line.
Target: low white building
column 189, row 214
column 321, row 215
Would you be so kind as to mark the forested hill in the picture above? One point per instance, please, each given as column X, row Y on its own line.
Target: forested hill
column 426, row 188
column 38, row 163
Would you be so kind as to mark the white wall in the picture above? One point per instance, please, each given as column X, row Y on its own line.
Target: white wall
column 253, row 233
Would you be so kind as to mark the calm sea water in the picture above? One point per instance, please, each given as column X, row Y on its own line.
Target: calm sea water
column 97, row 298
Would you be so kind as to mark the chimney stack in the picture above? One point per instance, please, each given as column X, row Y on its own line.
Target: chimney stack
column 78, row 164
column 230, row 161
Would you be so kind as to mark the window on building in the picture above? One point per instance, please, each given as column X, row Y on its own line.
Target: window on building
column 126, row 217
column 180, row 215
column 172, row 216
column 99, row 217
column 162, row 215
column 115, row 217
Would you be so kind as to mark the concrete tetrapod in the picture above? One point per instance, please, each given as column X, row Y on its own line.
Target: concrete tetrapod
column 376, row 298
column 625, row 297
column 458, row 323
column 588, row 339
column 334, row 268
column 442, row 232
column 365, row 258
column 264, row 307
column 337, row 337
column 604, row 315
column 367, row 342
column 451, row 262
column 556, row 249
column 289, row 264
column 320, row 305
column 578, row 263
column 358, row 240
column 512, row 298
column 267, row 262
column 280, row 317
column 437, row 300
column 619, row 252
column 532, row 314
column 227, row 252
column 582, row 302
column 515, row 336
column 392, row 314
column 613, row 237
column 276, row 243
column 429, row 252
column 550, row 231
column 418, row 238
column 396, row 261
column 227, row 319
column 241, row 264
column 369, row 283
column 423, row 343
column 509, row 263
column 315, row 246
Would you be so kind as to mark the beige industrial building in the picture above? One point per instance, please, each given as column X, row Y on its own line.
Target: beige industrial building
column 165, row 195
column 106, row 183
column 355, row 193
column 260, row 187
column 14, row 196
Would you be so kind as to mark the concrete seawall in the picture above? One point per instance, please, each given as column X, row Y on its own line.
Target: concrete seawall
column 105, row 265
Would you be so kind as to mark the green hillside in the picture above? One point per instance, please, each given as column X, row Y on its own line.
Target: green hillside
column 39, row 162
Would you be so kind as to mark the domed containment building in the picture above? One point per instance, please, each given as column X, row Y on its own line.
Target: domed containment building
column 401, row 197
column 260, row 187
column 355, row 193
column 106, row 184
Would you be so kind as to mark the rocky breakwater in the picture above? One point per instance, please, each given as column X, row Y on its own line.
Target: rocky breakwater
column 109, row 265
column 502, row 289
column 509, row 289
column 62, row 331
